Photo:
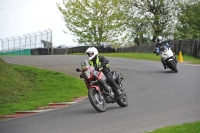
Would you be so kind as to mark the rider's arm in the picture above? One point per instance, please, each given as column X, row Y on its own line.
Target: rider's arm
column 103, row 60
column 157, row 50
column 158, row 45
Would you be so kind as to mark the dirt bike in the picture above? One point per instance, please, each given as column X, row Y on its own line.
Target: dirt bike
column 168, row 58
column 99, row 91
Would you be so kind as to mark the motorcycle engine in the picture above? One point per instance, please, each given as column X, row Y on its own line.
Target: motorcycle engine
column 110, row 98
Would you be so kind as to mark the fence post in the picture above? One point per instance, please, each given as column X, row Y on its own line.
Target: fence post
column 8, row 43
column 41, row 38
column 35, row 40
column 47, row 34
column 30, row 39
column 25, row 41
column 14, row 42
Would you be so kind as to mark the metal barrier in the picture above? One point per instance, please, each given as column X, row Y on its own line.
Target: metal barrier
column 14, row 45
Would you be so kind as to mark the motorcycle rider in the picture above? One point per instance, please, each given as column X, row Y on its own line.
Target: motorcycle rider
column 96, row 60
column 160, row 43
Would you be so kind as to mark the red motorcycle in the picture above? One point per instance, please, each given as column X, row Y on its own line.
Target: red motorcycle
column 99, row 91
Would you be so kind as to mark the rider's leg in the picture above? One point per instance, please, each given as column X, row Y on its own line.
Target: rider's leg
column 175, row 59
column 112, row 83
column 164, row 64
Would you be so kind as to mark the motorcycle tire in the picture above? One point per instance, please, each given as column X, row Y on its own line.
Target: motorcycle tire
column 173, row 66
column 123, row 101
column 94, row 97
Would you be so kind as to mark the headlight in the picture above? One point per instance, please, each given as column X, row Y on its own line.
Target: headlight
column 87, row 74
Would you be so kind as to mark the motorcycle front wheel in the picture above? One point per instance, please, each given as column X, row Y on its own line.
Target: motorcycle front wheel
column 173, row 66
column 98, row 103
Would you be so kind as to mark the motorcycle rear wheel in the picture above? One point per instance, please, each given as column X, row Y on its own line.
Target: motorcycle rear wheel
column 97, row 103
column 123, row 101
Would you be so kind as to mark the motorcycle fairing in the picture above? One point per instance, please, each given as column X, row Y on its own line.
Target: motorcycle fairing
column 168, row 59
column 100, row 75
column 166, row 52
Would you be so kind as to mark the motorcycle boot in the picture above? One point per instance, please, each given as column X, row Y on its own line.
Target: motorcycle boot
column 165, row 66
column 118, row 95
column 113, row 85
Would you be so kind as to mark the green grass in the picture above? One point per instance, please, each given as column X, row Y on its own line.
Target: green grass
column 193, row 127
column 191, row 59
column 147, row 56
column 25, row 88
column 151, row 56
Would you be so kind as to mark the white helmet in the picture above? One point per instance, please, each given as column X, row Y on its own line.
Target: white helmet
column 159, row 39
column 92, row 52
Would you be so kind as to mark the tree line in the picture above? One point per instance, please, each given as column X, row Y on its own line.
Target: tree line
column 130, row 22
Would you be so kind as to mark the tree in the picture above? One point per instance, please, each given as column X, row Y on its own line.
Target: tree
column 93, row 21
column 134, row 25
column 189, row 20
column 147, row 19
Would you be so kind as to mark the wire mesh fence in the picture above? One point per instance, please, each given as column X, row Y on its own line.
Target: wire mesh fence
column 25, row 42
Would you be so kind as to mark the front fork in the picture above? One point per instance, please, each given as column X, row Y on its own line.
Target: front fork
column 99, row 91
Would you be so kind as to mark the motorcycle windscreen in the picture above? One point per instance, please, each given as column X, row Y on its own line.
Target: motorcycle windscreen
column 86, row 69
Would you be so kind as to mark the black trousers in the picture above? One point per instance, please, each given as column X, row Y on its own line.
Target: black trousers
column 111, row 81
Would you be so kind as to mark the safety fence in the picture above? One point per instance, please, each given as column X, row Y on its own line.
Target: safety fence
column 23, row 44
column 189, row 47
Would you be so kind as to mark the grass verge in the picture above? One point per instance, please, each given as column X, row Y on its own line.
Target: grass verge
column 25, row 88
column 193, row 127
column 151, row 56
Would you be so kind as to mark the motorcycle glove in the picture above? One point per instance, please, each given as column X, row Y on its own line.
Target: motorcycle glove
column 103, row 63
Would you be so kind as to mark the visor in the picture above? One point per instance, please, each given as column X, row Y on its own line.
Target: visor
column 90, row 54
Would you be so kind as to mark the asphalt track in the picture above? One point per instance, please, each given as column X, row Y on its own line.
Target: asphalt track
column 157, row 98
